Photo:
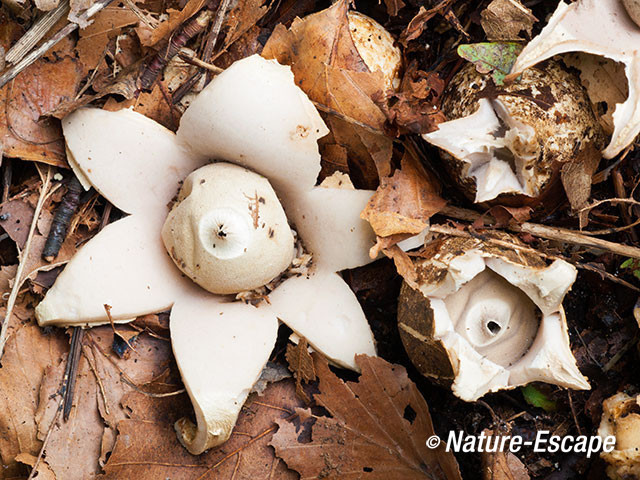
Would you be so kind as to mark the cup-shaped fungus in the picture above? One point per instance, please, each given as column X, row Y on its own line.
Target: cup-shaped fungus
column 509, row 142
column 621, row 419
column 483, row 318
column 253, row 116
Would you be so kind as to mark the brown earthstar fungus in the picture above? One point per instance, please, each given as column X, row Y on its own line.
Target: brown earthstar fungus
column 484, row 318
column 262, row 131
column 598, row 27
column 508, row 143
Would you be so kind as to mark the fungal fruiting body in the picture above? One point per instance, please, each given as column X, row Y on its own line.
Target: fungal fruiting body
column 483, row 318
column 376, row 47
column 252, row 116
column 621, row 419
column 228, row 231
column 509, row 142
column 598, row 27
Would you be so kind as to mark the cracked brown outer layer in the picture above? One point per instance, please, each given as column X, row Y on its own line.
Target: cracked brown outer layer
column 546, row 97
column 415, row 316
column 415, row 323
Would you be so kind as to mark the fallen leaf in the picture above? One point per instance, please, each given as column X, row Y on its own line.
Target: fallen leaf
column 150, row 36
column 382, row 418
column 28, row 353
column 106, row 25
column 599, row 27
column 25, row 129
column 147, row 447
column 393, row 6
column 506, row 19
column 500, row 465
column 404, row 202
column 15, row 219
column 418, row 23
column 496, row 58
column 243, row 17
column 415, row 106
column 103, row 379
column 301, row 364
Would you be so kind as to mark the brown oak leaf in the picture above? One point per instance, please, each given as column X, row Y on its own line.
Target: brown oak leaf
column 377, row 429
column 147, row 447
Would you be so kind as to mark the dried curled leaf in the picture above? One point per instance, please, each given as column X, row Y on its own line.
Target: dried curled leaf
column 382, row 418
column 506, row 19
column 404, row 202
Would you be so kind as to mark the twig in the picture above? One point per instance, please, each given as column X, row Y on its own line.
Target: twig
column 609, row 200
column 98, row 380
column 179, row 40
column 7, row 173
column 190, row 57
column 585, row 266
column 550, row 233
column 62, row 219
column 37, row 31
column 46, row 182
column 573, row 412
column 212, row 37
column 44, row 48
column 72, row 369
column 618, row 185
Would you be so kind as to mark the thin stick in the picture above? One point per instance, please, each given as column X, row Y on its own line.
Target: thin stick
column 25, row 255
column 212, row 38
column 550, row 233
column 72, row 368
column 37, row 31
column 44, row 48
column 189, row 56
column 98, row 380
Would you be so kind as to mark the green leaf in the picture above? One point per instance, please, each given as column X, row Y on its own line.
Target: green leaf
column 633, row 264
column 495, row 57
column 535, row 397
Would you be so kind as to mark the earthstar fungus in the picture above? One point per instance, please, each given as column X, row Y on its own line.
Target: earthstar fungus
column 621, row 419
column 263, row 127
column 482, row 318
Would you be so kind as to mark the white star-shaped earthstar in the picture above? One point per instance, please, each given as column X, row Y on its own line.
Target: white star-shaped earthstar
column 252, row 115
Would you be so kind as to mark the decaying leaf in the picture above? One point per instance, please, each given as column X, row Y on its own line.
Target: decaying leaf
column 106, row 25
column 393, row 6
column 404, row 202
column 501, row 465
column 418, row 23
column 382, row 413
column 28, row 353
column 506, row 19
column 147, row 447
column 75, row 446
column 415, row 107
column 25, row 129
column 301, row 364
column 497, row 58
